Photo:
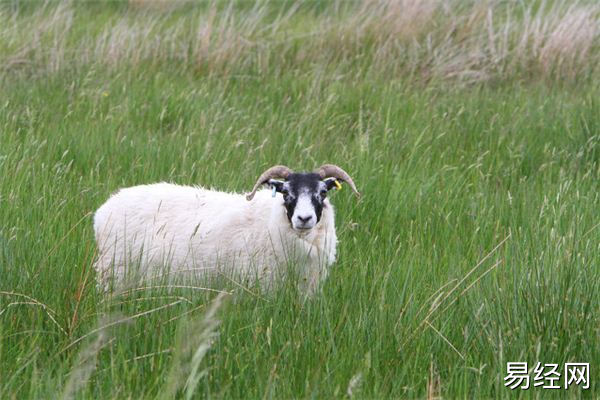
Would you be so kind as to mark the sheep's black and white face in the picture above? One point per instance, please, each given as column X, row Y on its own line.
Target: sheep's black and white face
column 304, row 197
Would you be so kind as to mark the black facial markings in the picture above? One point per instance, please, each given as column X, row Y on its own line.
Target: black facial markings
column 318, row 204
column 299, row 183
column 289, row 202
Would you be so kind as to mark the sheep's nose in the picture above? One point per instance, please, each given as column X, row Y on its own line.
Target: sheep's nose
column 304, row 220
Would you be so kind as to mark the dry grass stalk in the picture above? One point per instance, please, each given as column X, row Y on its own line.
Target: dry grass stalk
column 195, row 340
column 429, row 39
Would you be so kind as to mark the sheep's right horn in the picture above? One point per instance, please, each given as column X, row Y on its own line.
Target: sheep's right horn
column 333, row 171
column 278, row 171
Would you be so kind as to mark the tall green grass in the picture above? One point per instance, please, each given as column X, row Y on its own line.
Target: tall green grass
column 476, row 242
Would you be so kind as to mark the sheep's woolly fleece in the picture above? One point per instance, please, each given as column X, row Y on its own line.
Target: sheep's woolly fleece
column 185, row 231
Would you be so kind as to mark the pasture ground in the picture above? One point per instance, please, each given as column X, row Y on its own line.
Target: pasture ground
column 476, row 242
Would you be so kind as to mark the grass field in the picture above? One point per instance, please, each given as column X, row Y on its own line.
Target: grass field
column 472, row 130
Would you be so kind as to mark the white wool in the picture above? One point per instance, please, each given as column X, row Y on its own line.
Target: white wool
column 196, row 229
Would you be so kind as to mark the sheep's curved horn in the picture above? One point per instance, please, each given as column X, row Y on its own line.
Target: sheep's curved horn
column 333, row 171
column 278, row 171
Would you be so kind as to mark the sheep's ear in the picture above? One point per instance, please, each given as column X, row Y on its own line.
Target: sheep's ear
column 277, row 184
column 331, row 183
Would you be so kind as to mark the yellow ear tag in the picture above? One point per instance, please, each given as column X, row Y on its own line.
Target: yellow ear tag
column 337, row 185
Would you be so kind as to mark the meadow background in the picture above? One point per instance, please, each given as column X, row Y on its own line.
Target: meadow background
column 472, row 128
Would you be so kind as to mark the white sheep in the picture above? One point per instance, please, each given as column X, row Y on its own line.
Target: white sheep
column 196, row 231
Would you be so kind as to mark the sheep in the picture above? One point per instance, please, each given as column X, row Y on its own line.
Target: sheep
column 196, row 230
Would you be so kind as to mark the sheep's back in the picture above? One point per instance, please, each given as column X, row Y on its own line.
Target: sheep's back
column 166, row 223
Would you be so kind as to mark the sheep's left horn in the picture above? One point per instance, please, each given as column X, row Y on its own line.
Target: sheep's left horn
column 278, row 171
column 333, row 171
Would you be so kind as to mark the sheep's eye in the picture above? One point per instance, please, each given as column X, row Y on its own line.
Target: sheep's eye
column 323, row 193
column 285, row 192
